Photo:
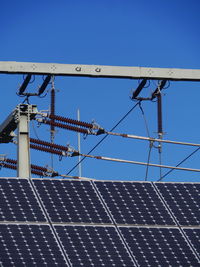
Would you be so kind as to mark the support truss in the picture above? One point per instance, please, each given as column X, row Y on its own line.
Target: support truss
column 13, row 67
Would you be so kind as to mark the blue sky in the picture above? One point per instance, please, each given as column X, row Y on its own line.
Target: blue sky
column 122, row 33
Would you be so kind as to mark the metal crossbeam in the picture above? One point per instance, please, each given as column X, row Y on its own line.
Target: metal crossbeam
column 174, row 74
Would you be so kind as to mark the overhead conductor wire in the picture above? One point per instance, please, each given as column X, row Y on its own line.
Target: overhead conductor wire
column 150, row 143
column 172, row 169
column 140, row 163
column 112, row 129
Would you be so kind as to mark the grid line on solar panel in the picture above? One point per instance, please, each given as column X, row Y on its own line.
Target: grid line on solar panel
column 71, row 201
column 134, row 203
column 94, row 246
column 183, row 199
column 18, row 202
column 194, row 237
column 29, row 245
column 159, row 246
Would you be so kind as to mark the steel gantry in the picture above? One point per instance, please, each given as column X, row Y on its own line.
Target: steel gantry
column 172, row 74
column 23, row 113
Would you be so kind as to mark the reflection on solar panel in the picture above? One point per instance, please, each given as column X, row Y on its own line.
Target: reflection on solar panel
column 94, row 246
column 29, row 245
column 134, row 203
column 159, row 246
column 71, row 201
column 194, row 237
column 183, row 200
column 85, row 223
column 18, row 202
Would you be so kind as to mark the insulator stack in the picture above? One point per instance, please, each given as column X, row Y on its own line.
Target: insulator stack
column 9, row 166
column 44, row 143
column 139, row 89
column 14, row 167
column 52, row 109
column 67, row 127
column 36, row 172
column 71, row 121
column 46, row 149
column 43, row 169
column 24, row 85
column 35, row 169
column 44, row 85
column 12, row 161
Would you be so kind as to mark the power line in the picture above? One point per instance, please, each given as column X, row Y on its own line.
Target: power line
column 148, row 161
column 140, row 163
column 191, row 154
column 152, row 139
column 145, row 120
column 150, row 144
column 112, row 129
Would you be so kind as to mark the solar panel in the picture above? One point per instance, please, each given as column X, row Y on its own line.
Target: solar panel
column 94, row 246
column 29, row 245
column 101, row 223
column 71, row 201
column 194, row 237
column 134, row 203
column 18, row 202
column 159, row 246
column 183, row 200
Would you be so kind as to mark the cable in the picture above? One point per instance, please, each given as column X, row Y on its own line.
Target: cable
column 150, row 144
column 191, row 154
column 160, row 159
column 34, row 130
column 145, row 120
column 148, row 160
column 139, row 163
column 151, row 139
column 105, row 136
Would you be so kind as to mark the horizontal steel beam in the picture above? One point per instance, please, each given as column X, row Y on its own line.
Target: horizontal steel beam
column 13, row 67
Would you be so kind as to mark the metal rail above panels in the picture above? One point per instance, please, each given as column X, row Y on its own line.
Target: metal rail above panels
column 13, row 67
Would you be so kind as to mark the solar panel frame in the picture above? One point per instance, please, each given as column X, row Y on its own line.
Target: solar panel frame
column 29, row 245
column 134, row 203
column 94, row 246
column 83, row 194
column 69, row 201
column 183, row 201
column 157, row 246
column 18, row 201
column 193, row 234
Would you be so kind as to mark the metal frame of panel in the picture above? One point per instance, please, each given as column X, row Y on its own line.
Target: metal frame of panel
column 29, row 244
column 161, row 243
column 13, row 67
column 159, row 246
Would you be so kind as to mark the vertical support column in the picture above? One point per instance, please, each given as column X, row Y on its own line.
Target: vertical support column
column 160, row 127
column 23, row 153
column 159, row 107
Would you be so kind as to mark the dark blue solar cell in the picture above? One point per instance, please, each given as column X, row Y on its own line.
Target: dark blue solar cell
column 18, row 202
column 134, row 203
column 71, row 201
column 29, row 245
column 194, row 237
column 94, row 246
column 159, row 246
column 184, row 201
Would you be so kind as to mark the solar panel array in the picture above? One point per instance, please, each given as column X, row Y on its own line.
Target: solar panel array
column 103, row 223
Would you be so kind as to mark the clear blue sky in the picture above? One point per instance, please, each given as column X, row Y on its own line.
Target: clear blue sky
column 113, row 32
